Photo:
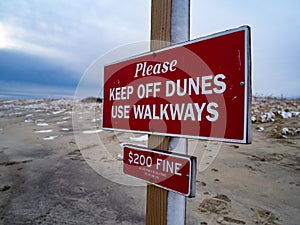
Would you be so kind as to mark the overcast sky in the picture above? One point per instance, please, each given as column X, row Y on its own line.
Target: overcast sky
column 51, row 43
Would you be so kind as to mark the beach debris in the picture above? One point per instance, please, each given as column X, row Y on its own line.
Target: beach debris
column 285, row 131
column 43, row 131
column 266, row 117
column 260, row 129
column 269, row 110
column 285, row 115
column 281, row 115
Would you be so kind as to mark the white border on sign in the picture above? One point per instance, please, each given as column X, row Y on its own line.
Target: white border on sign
column 191, row 159
column 248, row 86
column 247, row 134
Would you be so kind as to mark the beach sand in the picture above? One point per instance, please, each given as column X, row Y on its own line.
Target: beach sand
column 57, row 166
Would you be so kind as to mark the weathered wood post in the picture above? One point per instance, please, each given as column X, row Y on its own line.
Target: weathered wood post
column 170, row 20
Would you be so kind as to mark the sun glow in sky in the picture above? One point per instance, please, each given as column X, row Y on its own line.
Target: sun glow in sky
column 5, row 41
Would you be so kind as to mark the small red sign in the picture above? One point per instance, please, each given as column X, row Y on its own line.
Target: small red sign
column 167, row 170
column 199, row 89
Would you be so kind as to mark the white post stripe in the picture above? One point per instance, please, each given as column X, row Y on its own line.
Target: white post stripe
column 180, row 32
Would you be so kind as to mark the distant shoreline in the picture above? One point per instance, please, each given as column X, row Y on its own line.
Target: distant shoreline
column 30, row 96
column 11, row 96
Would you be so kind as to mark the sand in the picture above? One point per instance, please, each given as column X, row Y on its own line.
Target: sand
column 57, row 166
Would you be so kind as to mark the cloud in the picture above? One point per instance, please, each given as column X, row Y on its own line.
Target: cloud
column 19, row 39
column 91, row 83
column 75, row 32
column 72, row 34
column 21, row 73
column 275, row 45
column 60, row 39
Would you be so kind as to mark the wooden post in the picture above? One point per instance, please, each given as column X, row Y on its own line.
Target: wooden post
column 169, row 24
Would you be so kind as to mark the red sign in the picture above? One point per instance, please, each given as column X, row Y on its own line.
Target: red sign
column 199, row 89
column 164, row 169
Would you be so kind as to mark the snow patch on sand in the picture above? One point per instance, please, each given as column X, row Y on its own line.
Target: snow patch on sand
column 42, row 124
column 92, row 131
column 43, row 131
column 61, row 122
column 58, row 112
column 141, row 138
column 50, row 137
column 65, row 129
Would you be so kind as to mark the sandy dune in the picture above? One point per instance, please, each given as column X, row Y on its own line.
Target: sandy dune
column 57, row 166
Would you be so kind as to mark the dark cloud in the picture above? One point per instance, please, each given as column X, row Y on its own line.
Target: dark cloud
column 23, row 68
